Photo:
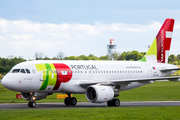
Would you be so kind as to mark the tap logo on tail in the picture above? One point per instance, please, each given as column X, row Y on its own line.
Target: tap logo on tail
column 159, row 50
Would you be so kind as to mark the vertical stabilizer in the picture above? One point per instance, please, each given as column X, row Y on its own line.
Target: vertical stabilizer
column 159, row 50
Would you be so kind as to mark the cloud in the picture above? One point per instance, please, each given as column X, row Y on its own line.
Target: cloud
column 24, row 37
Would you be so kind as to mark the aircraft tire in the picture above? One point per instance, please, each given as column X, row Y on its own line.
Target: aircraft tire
column 73, row 101
column 116, row 102
column 32, row 104
column 29, row 104
column 67, row 101
column 109, row 103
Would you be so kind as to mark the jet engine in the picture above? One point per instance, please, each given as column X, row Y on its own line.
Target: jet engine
column 99, row 94
column 38, row 96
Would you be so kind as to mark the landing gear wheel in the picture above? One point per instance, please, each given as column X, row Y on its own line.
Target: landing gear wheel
column 67, row 101
column 32, row 104
column 73, row 101
column 29, row 104
column 116, row 102
column 109, row 103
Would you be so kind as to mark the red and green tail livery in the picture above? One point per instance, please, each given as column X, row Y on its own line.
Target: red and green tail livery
column 159, row 50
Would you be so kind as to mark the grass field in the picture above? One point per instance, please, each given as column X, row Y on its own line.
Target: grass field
column 120, row 113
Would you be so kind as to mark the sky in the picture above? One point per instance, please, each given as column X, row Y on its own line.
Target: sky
column 83, row 27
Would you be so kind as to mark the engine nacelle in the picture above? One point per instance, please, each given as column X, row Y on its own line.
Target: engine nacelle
column 99, row 94
column 38, row 96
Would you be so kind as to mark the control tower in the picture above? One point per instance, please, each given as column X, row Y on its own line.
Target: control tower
column 111, row 49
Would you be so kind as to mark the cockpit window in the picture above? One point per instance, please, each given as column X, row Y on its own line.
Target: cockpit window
column 16, row 71
column 27, row 70
column 22, row 71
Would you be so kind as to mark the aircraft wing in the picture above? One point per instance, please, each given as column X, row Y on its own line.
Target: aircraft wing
column 127, row 81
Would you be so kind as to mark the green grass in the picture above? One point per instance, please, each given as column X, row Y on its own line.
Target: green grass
column 108, row 113
column 159, row 91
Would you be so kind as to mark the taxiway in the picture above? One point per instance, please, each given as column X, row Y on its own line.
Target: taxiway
column 86, row 105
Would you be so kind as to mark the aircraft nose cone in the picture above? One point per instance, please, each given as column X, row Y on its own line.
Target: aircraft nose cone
column 6, row 82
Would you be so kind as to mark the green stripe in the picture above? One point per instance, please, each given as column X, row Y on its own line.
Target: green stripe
column 48, row 68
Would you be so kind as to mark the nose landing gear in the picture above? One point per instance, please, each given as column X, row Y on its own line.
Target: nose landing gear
column 32, row 102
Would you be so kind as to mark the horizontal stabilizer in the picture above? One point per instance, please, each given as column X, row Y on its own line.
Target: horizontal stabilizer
column 165, row 70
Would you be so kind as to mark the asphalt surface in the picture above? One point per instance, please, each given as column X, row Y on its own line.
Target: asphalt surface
column 87, row 105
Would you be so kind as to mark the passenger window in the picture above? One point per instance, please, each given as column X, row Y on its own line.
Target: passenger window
column 27, row 70
column 16, row 71
column 85, row 72
column 89, row 71
column 22, row 71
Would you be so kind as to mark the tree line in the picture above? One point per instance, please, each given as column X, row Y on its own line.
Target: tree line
column 7, row 63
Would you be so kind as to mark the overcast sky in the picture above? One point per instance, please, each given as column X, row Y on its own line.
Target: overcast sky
column 77, row 27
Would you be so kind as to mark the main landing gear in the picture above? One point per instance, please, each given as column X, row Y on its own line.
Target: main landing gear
column 32, row 102
column 114, row 102
column 70, row 101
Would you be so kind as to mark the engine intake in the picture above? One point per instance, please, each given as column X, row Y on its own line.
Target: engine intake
column 99, row 94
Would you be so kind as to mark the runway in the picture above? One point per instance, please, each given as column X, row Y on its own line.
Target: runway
column 87, row 105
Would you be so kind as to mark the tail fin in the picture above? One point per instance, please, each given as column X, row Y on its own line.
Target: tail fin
column 159, row 50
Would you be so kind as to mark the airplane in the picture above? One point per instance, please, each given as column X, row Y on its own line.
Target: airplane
column 100, row 81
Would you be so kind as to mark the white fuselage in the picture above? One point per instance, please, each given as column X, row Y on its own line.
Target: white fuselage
column 73, row 73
